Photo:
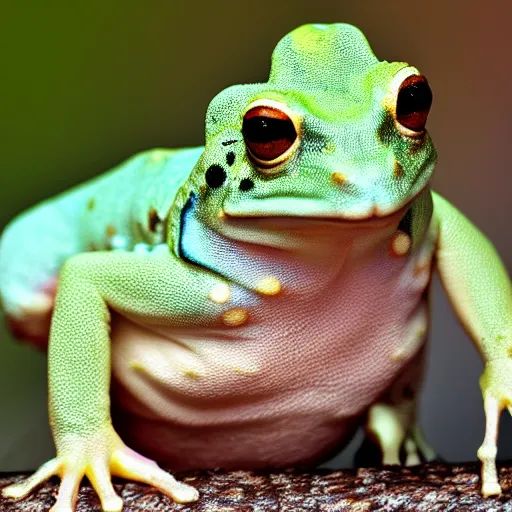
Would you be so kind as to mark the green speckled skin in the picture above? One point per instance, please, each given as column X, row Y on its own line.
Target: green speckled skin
column 171, row 245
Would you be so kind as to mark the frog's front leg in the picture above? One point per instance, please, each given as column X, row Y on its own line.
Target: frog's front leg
column 478, row 286
column 154, row 287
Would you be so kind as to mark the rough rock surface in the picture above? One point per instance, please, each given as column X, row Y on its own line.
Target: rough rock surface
column 430, row 487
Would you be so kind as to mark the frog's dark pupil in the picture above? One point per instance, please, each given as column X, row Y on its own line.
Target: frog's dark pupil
column 268, row 133
column 215, row 176
column 413, row 98
column 413, row 103
column 246, row 184
column 267, row 129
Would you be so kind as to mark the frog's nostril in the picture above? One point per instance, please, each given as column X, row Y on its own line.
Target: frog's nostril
column 246, row 184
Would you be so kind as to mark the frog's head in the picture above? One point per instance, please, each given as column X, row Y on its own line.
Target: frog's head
column 333, row 133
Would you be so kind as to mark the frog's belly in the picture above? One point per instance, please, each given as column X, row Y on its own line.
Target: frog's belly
column 284, row 389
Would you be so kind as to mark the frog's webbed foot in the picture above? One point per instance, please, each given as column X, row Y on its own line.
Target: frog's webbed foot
column 99, row 457
column 487, row 452
column 392, row 437
column 496, row 386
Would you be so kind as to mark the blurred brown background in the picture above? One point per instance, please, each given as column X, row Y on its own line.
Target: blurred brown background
column 83, row 87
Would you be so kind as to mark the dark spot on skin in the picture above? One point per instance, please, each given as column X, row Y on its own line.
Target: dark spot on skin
column 406, row 223
column 387, row 132
column 398, row 170
column 154, row 220
column 215, row 176
column 111, row 231
column 246, row 184
column 230, row 158
column 229, row 142
column 416, row 145
column 91, row 204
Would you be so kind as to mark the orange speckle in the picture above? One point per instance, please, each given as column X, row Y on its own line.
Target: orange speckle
column 91, row 204
column 111, row 231
column 191, row 374
column 398, row 170
column 269, row 286
column 400, row 244
column 220, row 293
column 235, row 317
column 138, row 367
column 418, row 269
column 338, row 178
column 399, row 355
column 153, row 220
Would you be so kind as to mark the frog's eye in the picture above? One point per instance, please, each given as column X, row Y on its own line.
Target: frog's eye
column 269, row 133
column 413, row 103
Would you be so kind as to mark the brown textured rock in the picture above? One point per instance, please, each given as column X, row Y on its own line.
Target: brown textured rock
column 431, row 487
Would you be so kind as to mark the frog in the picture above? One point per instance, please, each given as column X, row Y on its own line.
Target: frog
column 252, row 302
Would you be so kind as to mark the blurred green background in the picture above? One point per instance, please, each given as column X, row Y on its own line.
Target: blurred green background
column 84, row 86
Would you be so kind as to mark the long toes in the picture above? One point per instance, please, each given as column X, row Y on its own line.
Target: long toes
column 100, row 478
column 24, row 488
column 132, row 466
column 412, row 458
column 68, row 492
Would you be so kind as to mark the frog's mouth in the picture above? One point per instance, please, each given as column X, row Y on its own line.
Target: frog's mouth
column 308, row 220
column 304, row 229
column 362, row 212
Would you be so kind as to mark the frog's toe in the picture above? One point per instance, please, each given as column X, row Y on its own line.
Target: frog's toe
column 412, row 457
column 378, row 451
column 129, row 464
column 68, row 492
column 98, row 473
column 491, row 489
column 99, row 476
column 25, row 487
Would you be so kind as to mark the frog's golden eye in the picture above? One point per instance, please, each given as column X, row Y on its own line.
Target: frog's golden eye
column 269, row 133
column 413, row 103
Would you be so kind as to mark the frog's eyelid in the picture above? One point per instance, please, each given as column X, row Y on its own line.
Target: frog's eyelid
column 400, row 76
column 283, row 107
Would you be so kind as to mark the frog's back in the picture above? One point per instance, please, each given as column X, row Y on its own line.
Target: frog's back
column 125, row 207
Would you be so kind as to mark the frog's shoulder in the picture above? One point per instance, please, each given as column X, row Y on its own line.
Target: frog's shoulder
column 131, row 204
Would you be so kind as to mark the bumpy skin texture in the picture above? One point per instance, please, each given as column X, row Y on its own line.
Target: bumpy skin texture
column 253, row 312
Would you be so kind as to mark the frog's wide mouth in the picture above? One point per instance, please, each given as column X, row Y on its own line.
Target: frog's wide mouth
column 314, row 209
